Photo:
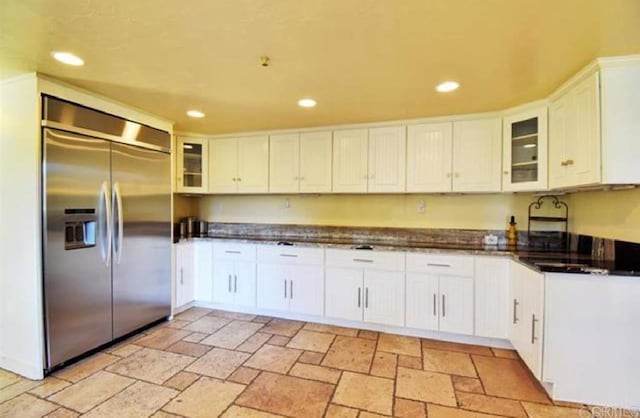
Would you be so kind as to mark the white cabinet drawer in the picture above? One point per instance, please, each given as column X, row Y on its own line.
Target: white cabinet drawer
column 231, row 251
column 285, row 254
column 453, row 265
column 376, row 260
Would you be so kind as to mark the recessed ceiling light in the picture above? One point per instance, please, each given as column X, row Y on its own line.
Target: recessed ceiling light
column 195, row 114
column 68, row 58
column 447, row 86
column 306, row 102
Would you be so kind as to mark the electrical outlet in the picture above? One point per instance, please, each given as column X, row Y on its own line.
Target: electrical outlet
column 420, row 206
column 287, row 203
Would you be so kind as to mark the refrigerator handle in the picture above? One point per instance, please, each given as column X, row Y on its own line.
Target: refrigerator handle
column 117, row 216
column 105, row 234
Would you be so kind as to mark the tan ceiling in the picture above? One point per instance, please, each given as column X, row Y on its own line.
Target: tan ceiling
column 363, row 60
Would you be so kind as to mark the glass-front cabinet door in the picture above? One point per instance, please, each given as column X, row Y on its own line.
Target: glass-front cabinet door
column 191, row 167
column 524, row 161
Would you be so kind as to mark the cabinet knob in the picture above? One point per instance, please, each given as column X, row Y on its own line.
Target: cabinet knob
column 569, row 162
column 301, row 178
column 506, row 173
column 563, row 163
column 448, row 175
column 239, row 179
column 457, row 174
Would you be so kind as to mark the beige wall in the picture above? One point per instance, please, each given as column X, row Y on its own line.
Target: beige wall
column 442, row 211
column 612, row 214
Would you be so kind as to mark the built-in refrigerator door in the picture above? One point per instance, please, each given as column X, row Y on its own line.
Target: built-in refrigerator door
column 77, row 274
column 141, row 183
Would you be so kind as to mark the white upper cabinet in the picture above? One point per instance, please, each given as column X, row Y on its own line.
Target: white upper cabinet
column 477, row 155
column 191, row 165
column 300, row 163
column 371, row 160
column 525, row 151
column 429, row 157
column 223, row 158
column 239, row 165
column 315, row 162
column 574, row 145
column 284, row 163
column 350, row 161
column 594, row 126
column 387, row 159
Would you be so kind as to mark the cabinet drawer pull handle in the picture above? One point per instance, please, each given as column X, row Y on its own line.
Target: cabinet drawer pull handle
column 235, row 284
column 359, row 297
column 181, row 276
column 444, row 310
column 435, row 305
column 290, row 289
column 438, row 265
column 564, row 163
column 366, row 298
column 569, row 162
column 506, row 173
column 232, row 252
column 515, row 309
column 533, row 328
column 229, row 283
column 289, row 255
column 285, row 288
column 362, row 260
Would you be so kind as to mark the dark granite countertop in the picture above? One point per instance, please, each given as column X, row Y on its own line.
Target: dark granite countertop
column 544, row 259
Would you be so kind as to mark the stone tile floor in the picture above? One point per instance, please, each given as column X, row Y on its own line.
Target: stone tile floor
column 209, row 363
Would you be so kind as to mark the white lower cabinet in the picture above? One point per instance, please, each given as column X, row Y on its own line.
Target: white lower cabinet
column 203, row 276
column 234, row 274
column 291, row 279
column 492, row 297
column 527, row 299
column 365, row 286
column 440, row 293
column 185, row 273
column 590, row 353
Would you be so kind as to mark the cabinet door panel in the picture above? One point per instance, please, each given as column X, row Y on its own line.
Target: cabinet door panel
column 284, row 154
column 477, row 155
column 584, row 148
column 492, row 297
column 253, row 164
column 350, row 161
column 244, row 285
column 456, row 304
column 315, row 162
column 273, row 287
column 384, row 297
column 533, row 289
column 185, row 261
column 223, row 157
column 191, row 165
column 223, row 272
column 344, row 297
column 422, row 301
column 203, row 289
column 429, row 157
column 387, row 159
column 559, row 131
column 306, row 290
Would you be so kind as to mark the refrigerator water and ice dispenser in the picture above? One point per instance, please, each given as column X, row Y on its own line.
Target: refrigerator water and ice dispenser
column 79, row 228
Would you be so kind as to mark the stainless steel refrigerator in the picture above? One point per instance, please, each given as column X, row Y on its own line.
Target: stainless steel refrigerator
column 106, row 201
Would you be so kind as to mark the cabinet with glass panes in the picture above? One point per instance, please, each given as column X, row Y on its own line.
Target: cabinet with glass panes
column 191, row 169
column 525, row 151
